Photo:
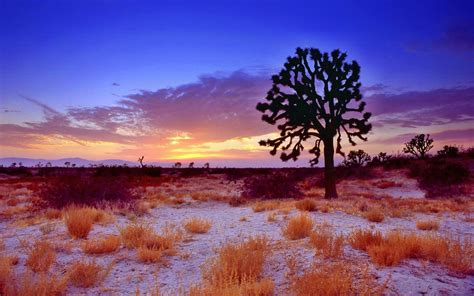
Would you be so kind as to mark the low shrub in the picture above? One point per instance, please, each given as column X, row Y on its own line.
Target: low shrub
column 62, row 191
column 271, row 186
column 41, row 255
column 299, row 227
column 375, row 215
column 427, row 225
column 306, row 205
column 107, row 244
column 197, row 225
column 87, row 273
column 327, row 244
column 79, row 221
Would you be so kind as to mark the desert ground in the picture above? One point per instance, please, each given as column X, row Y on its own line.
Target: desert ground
column 199, row 235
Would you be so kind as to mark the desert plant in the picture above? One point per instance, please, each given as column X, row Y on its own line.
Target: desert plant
column 86, row 273
column 197, row 225
column 62, row 191
column 356, row 158
column 427, row 225
column 307, row 111
column 41, row 255
column 271, row 186
column 419, row 145
column 326, row 243
column 448, row 151
column 306, row 205
column 79, row 221
column 107, row 244
column 382, row 158
column 149, row 255
column 362, row 239
column 299, row 227
column 375, row 214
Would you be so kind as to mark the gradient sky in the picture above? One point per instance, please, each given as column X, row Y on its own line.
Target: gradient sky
column 173, row 80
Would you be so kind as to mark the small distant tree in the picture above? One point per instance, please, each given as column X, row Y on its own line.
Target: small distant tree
column 315, row 99
column 191, row 165
column 448, row 151
column 48, row 164
column 67, row 164
column 20, row 164
column 356, row 158
column 419, row 146
column 140, row 161
column 13, row 165
column 73, row 165
column 177, row 165
column 382, row 157
column 206, row 165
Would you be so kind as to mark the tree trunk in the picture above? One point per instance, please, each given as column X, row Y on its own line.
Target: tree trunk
column 329, row 177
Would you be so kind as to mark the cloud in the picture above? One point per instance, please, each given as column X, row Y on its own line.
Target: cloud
column 423, row 108
column 452, row 136
column 216, row 117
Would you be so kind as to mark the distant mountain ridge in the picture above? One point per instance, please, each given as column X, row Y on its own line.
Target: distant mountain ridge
column 79, row 162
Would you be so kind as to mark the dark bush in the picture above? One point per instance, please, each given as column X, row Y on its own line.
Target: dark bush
column 19, row 171
column 440, row 176
column 61, row 191
column 448, row 151
column 118, row 171
column 273, row 185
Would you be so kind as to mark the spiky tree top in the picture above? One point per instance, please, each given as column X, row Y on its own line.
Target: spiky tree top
column 311, row 97
column 419, row 145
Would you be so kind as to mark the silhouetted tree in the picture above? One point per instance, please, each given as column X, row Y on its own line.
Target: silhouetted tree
column 73, row 165
column 140, row 160
column 382, row 157
column 48, row 164
column 191, row 165
column 67, row 164
column 311, row 99
column 13, row 165
column 419, row 145
column 177, row 165
column 206, row 165
column 448, row 151
column 356, row 158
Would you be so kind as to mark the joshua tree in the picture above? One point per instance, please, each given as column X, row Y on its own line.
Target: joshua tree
column 382, row 157
column 177, row 165
column 140, row 160
column 67, row 164
column 206, row 165
column 419, row 145
column 448, row 151
column 311, row 100
column 191, row 165
column 13, row 165
column 356, row 158
column 48, row 164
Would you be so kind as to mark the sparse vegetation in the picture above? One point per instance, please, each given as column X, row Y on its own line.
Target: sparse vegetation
column 197, row 225
column 306, row 205
column 86, row 273
column 41, row 255
column 104, row 245
column 299, row 227
column 375, row 215
column 427, row 225
column 79, row 221
column 326, row 243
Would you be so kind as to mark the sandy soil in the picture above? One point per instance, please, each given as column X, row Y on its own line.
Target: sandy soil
column 180, row 271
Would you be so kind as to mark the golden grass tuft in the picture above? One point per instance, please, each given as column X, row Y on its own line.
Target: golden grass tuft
column 79, row 221
column 149, row 255
column 335, row 279
column 375, row 215
column 271, row 217
column 135, row 234
column 299, row 227
column 327, row 244
column 455, row 253
column 306, row 205
column 267, row 205
column 40, row 256
column 361, row 239
column 87, row 273
column 427, row 225
column 197, row 225
column 264, row 287
column 104, row 245
column 237, row 262
column 27, row 284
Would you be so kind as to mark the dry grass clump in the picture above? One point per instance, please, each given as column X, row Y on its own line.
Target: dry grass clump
column 150, row 245
column 52, row 214
column 237, row 263
column 271, row 217
column 267, row 205
column 107, row 244
column 264, row 287
column 79, row 221
column 306, row 205
column 27, row 284
column 40, row 256
column 149, row 255
column 326, row 243
column 375, row 215
column 197, row 225
column 333, row 280
column 361, row 239
column 427, row 225
column 455, row 253
column 87, row 273
column 299, row 227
